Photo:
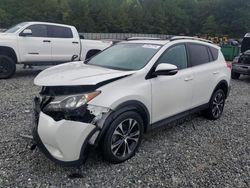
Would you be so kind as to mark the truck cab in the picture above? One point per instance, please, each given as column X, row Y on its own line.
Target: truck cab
column 42, row 43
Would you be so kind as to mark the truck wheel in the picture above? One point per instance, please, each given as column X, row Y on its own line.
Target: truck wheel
column 123, row 137
column 7, row 67
column 235, row 75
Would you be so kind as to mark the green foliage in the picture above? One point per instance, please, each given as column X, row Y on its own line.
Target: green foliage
column 3, row 18
column 189, row 17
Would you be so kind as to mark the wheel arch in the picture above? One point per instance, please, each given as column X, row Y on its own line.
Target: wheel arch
column 132, row 105
column 137, row 106
column 8, row 51
column 224, row 86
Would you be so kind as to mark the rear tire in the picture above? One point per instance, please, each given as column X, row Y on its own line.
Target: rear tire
column 123, row 137
column 7, row 67
column 216, row 105
column 235, row 75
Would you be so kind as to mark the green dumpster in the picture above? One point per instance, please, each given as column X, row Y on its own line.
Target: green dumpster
column 230, row 52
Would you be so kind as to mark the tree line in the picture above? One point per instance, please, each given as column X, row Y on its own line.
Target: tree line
column 173, row 17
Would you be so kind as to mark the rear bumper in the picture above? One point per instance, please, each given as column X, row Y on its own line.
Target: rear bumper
column 241, row 68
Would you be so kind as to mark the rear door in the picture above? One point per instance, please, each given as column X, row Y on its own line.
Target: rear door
column 205, row 67
column 64, row 43
column 35, row 47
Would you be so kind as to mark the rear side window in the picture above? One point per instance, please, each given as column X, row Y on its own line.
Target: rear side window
column 60, row 32
column 214, row 52
column 198, row 54
column 38, row 30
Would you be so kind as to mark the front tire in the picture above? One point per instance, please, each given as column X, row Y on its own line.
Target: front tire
column 216, row 105
column 123, row 138
column 235, row 75
column 7, row 67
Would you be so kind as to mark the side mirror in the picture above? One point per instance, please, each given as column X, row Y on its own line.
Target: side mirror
column 26, row 32
column 165, row 69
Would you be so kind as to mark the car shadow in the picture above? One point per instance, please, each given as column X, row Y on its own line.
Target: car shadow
column 245, row 78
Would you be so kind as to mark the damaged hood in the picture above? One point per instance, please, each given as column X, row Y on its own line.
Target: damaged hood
column 77, row 73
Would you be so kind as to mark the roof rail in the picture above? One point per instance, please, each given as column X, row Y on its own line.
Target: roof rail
column 143, row 38
column 190, row 38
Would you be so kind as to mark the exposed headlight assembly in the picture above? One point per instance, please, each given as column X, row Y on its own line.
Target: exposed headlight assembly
column 67, row 103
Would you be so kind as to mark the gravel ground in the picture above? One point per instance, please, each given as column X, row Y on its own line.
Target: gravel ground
column 194, row 153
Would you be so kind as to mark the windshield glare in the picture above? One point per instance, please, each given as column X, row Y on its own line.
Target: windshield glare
column 125, row 56
column 15, row 28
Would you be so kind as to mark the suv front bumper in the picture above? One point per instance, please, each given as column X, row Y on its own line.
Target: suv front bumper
column 64, row 141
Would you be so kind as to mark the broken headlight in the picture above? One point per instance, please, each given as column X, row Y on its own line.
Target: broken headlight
column 68, row 103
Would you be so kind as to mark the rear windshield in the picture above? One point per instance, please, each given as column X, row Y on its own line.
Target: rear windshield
column 125, row 56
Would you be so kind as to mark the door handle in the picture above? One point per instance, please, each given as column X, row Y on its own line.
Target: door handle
column 189, row 78
column 215, row 72
column 46, row 41
column 74, row 42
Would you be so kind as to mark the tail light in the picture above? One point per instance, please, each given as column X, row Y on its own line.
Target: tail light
column 229, row 65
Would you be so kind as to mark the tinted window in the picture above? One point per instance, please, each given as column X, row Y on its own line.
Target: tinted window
column 198, row 54
column 215, row 53
column 38, row 30
column 60, row 32
column 176, row 55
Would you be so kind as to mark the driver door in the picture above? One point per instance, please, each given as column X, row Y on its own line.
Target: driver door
column 172, row 95
column 35, row 47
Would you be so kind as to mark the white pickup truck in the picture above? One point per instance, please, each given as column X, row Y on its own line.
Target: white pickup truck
column 42, row 43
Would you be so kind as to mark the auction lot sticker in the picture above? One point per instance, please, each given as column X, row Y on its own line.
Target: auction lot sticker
column 156, row 47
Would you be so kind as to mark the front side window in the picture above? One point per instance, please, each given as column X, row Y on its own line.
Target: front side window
column 125, row 56
column 60, row 32
column 198, row 54
column 38, row 30
column 176, row 55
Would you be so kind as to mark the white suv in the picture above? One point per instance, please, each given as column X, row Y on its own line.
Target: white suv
column 125, row 91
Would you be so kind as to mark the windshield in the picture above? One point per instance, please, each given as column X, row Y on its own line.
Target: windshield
column 125, row 56
column 15, row 28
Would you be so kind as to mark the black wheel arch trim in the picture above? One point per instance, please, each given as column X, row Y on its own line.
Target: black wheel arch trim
column 222, row 82
column 132, row 105
column 5, row 50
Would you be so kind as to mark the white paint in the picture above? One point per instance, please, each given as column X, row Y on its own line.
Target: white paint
column 63, row 139
column 163, row 96
column 34, row 49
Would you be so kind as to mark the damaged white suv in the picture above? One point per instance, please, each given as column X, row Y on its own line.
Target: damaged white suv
column 125, row 91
